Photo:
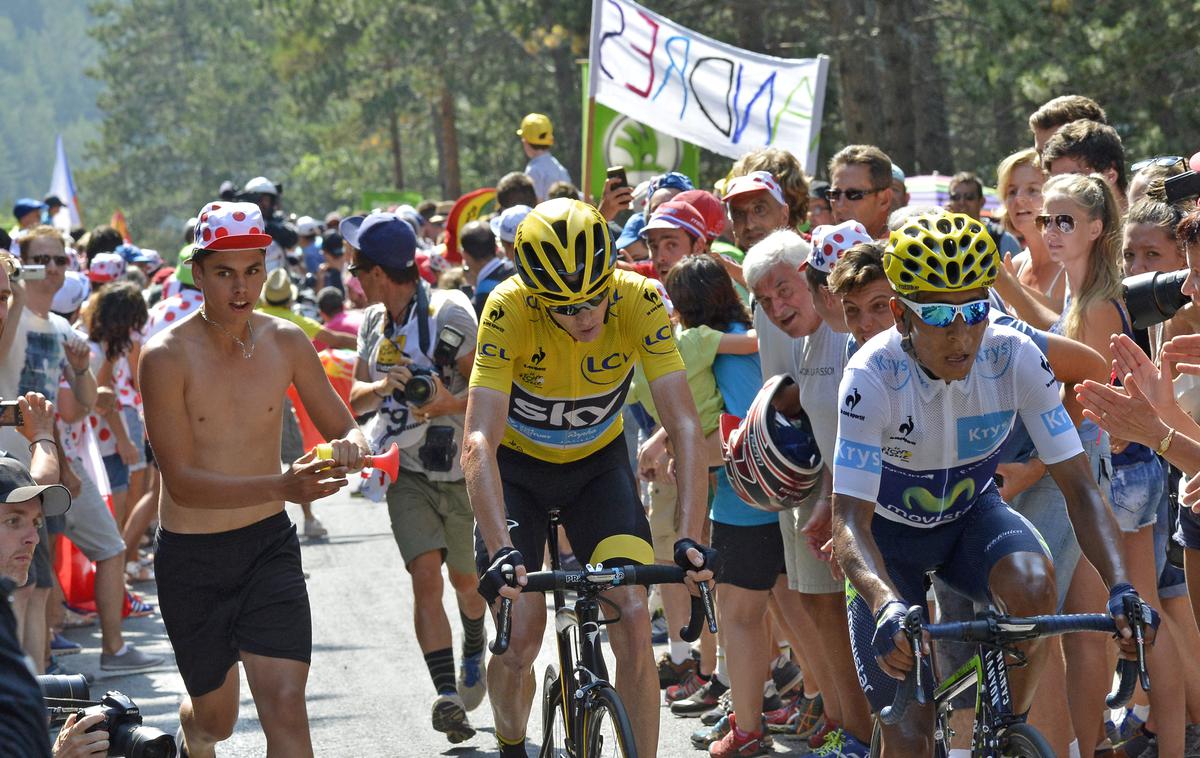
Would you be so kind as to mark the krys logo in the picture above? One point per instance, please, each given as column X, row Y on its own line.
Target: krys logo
column 981, row 434
column 606, row 369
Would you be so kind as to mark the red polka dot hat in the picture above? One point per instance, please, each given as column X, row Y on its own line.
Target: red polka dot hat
column 230, row 226
column 829, row 242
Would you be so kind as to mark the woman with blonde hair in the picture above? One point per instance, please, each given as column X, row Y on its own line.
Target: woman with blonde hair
column 1082, row 227
column 1020, row 184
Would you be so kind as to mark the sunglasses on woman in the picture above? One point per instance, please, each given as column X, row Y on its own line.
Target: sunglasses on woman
column 1064, row 221
column 577, row 308
column 942, row 315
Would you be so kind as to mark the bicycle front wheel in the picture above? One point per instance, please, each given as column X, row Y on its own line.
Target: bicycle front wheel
column 1023, row 741
column 606, row 731
column 554, row 731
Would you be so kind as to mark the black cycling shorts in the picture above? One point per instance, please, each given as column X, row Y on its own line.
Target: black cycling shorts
column 223, row 593
column 751, row 556
column 598, row 504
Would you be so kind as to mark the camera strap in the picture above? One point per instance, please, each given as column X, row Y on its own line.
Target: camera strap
column 422, row 317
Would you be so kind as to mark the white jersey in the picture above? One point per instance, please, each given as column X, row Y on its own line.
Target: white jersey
column 923, row 450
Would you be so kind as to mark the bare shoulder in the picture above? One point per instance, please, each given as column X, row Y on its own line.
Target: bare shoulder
column 170, row 345
column 281, row 331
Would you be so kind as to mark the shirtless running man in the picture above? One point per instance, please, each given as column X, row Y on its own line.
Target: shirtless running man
column 230, row 581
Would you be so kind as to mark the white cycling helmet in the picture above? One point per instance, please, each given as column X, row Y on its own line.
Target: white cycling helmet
column 262, row 185
column 772, row 461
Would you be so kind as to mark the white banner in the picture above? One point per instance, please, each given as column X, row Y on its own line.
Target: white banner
column 722, row 98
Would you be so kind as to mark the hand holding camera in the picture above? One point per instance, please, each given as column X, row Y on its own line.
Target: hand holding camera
column 36, row 416
column 77, row 738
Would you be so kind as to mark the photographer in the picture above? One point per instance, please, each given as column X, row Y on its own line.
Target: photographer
column 24, row 506
column 415, row 352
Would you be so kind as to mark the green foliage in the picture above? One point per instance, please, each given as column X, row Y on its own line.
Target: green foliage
column 337, row 97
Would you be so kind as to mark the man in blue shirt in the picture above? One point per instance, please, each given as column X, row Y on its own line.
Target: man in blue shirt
column 537, row 137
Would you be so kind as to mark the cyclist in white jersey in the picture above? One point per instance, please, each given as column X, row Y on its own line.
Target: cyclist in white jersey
column 924, row 411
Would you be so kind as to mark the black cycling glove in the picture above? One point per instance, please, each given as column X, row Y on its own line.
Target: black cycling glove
column 497, row 575
column 712, row 561
column 1123, row 598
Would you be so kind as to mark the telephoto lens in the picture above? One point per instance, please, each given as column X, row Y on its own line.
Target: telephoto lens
column 1153, row 297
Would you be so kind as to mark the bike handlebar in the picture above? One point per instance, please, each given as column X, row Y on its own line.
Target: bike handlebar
column 1005, row 630
column 593, row 581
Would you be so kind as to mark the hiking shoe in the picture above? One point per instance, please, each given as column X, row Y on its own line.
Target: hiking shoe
column 731, row 745
column 840, row 744
column 690, row 685
column 723, row 708
column 314, row 529
column 786, row 677
column 801, row 718
column 129, row 662
column 671, row 673
column 60, row 645
column 472, row 683
column 710, row 733
column 704, row 698
column 450, row 718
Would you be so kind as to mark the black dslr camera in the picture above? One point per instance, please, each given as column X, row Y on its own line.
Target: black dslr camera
column 127, row 736
column 1153, row 297
column 439, row 450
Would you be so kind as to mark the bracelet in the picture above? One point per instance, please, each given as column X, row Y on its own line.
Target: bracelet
column 1166, row 442
column 42, row 439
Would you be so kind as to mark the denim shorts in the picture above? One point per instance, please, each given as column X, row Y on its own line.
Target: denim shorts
column 1137, row 491
column 136, row 429
column 1188, row 533
column 118, row 473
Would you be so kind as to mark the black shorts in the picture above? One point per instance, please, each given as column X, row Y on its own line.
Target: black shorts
column 751, row 556
column 597, row 499
column 242, row 590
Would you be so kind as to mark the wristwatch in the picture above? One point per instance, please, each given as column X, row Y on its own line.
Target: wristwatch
column 1166, row 442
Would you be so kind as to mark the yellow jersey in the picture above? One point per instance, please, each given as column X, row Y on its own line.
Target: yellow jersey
column 565, row 397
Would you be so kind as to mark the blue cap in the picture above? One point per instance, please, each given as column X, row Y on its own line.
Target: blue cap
column 632, row 232
column 672, row 180
column 897, row 173
column 129, row 252
column 27, row 205
column 383, row 238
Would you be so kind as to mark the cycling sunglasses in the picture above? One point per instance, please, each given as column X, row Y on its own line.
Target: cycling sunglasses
column 577, row 308
column 1158, row 160
column 942, row 315
column 1064, row 221
column 853, row 195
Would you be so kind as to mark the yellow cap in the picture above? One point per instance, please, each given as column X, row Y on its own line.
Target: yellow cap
column 537, row 130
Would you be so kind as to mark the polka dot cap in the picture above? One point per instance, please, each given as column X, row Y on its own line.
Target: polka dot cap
column 830, row 242
column 230, row 226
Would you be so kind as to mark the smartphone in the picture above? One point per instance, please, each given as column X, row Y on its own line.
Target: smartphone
column 10, row 413
column 618, row 173
column 31, row 272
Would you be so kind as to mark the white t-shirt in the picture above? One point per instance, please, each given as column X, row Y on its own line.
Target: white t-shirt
column 36, row 363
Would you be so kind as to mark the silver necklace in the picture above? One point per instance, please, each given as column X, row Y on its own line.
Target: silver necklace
column 247, row 352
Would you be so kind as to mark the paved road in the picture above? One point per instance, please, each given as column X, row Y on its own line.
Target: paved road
column 369, row 692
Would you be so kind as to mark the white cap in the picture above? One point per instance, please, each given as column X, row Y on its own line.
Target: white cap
column 307, row 226
column 74, row 290
column 261, row 184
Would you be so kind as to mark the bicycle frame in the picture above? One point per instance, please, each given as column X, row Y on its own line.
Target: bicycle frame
column 987, row 671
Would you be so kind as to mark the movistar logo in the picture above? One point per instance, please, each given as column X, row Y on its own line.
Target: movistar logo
column 919, row 497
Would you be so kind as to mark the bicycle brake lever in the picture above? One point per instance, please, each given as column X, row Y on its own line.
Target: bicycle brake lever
column 706, row 600
column 1137, row 617
column 504, row 617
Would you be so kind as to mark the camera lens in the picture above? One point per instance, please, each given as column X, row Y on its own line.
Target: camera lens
column 63, row 687
column 1153, row 297
column 148, row 742
column 419, row 390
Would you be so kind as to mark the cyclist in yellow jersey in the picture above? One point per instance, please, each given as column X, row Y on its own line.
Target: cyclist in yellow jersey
column 556, row 349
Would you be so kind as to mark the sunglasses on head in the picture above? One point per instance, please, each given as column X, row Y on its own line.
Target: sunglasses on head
column 942, row 315
column 1064, row 221
column 1158, row 160
column 577, row 308
column 964, row 197
column 44, row 260
column 853, row 195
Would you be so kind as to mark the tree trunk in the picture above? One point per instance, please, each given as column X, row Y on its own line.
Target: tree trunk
column 397, row 163
column 896, row 83
column 929, row 125
column 451, row 173
column 857, row 71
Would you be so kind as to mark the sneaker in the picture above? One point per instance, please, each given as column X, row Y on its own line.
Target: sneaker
column 56, row 668
column 772, row 702
column 137, row 606
column 450, row 718
column 1191, row 741
column 659, row 631
column 733, row 746
column 129, row 662
column 472, row 683
column 702, row 700
column 1141, row 743
column 786, row 677
column 671, row 673
column 723, row 708
column 802, row 718
column 841, row 744
column 314, row 529
column 817, row 739
column 710, row 733
column 690, row 685
column 60, row 645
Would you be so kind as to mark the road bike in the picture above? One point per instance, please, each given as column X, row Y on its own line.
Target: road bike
column 998, row 732
column 582, row 714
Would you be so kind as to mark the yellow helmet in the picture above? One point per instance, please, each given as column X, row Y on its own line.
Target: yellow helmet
column 537, row 130
column 941, row 252
column 564, row 252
